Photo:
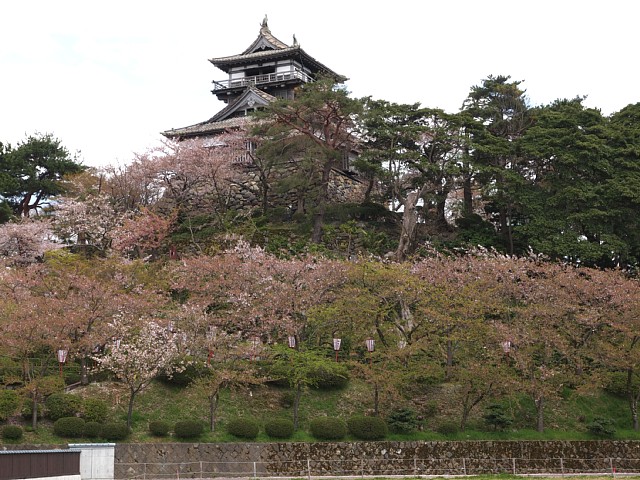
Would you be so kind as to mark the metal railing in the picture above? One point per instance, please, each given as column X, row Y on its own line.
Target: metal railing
column 367, row 467
column 261, row 79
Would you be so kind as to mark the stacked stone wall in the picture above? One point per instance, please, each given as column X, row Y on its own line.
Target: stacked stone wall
column 373, row 458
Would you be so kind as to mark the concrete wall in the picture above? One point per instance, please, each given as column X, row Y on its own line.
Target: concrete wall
column 96, row 460
column 170, row 460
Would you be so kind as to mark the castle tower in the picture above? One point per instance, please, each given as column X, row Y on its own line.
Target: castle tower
column 266, row 70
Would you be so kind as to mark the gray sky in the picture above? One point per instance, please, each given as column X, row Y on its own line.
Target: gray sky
column 107, row 77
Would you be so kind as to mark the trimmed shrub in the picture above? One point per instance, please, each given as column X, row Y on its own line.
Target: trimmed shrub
column 11, row 432
column 402, row 420
column 367, row 428
column 279, row 428
column 188, row 429
column 326, row 428
column 27, row 409
column 92, row 429
column 9, row 403
column 115, row 431
column 60, row 405
column 95, row 410
column 159, row 428
column 243, row 428
column 69, row 427
column 602, row 427
column 448, row 428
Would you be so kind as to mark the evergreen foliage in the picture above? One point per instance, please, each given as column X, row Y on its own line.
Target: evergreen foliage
column 188, row 429
column 243, row 428
column 327, row 428
column 11, row 432
column 279, row 428
column 115, row 431
column 61, row 405
column 367, row 428
column 69, row 427
column 159, row 428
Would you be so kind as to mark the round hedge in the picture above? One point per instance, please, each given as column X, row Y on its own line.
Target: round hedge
column 188, row 429
column 95, row 410
column 9, row 403
column 326, row 428
column 60, row 405
column 92, row 429
column 11, row 432
column 159, row 428
column 69, row 427
column 279, row 428
column 367, row 428
column 115, row 431
column 243, row 428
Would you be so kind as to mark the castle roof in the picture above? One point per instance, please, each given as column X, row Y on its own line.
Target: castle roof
column 267, row 47
column 231, row 116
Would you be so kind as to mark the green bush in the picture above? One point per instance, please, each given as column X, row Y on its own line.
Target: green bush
column 159, row 428
column 243, row 428
column 69, row 427
column 59, row 405
column 279, row 428
column 326, row 428
column 448, row 428
column 92, row 429
column 10, row 371
column 95, row 410
column 333, row 378
column 495, row 415
column 11, row 432
column 367, row 428
column 188, row 429
column 9, row 403
column 402, row 420
column 27, row 409
column 115, row 431
column 602, row 427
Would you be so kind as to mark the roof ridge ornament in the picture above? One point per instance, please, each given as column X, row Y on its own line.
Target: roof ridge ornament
column 264, row 22
column 295, row 40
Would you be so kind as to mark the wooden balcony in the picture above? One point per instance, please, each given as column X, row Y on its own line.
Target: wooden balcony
column 261, row 80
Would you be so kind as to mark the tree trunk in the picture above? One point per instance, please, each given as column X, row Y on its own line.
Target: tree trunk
column 633, row 399
column 449, row 369
column 539, row 401
column 34, row 406
column 321, row 207
column 467, row 196
column 296, row 405
column 130, row 410
column 84, row 371
column 409, row 222
column 213, row 407
column 376, row 399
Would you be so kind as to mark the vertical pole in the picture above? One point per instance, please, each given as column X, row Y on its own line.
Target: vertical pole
column 562, row 466
column 144, row 472
column 308, row 469
column 201, row 473
column 464, row 466
column 613, row 470
column 514, row 465
column 415, row 465
column 255, row 471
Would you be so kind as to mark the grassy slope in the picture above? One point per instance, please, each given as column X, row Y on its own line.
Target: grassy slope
column 565, row 420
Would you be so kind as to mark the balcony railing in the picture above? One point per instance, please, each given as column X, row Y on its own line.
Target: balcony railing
column 261, row 79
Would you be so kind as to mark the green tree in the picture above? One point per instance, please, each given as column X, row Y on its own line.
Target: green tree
column 498, row 116
column 320, row 123
column 33, row 172
column 570, row 193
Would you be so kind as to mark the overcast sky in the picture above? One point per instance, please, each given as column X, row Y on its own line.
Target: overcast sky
column 107, row 77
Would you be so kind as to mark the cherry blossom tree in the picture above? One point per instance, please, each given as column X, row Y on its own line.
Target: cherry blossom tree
column 26, row 241
column 140, row 350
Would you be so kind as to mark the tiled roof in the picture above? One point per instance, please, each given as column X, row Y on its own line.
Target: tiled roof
column 265, row 36
column 219, row 122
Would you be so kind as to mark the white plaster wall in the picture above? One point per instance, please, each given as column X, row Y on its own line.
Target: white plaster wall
column 96, row 460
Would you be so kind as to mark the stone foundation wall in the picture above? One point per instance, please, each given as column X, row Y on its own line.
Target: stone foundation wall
column 171, row 460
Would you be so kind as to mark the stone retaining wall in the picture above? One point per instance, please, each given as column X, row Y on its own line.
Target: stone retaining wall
column 192, row 460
